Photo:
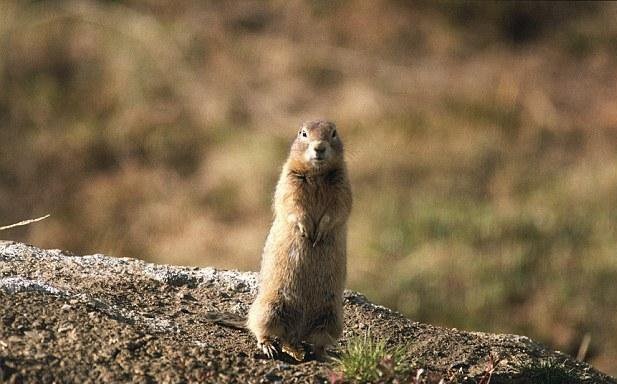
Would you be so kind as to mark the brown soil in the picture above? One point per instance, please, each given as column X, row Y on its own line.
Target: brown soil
column 66, row 318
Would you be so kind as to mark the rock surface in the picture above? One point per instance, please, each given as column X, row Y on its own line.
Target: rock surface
column 66, row 318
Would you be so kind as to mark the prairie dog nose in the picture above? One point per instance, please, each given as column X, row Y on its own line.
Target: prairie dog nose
column 319, row 146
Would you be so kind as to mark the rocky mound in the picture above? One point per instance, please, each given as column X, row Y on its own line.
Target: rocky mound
column 67, row 318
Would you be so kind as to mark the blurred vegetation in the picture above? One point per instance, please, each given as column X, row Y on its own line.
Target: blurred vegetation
column 481, row 137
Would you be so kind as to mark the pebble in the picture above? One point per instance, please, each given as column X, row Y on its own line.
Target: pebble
column 273, row 377
column 187, row 296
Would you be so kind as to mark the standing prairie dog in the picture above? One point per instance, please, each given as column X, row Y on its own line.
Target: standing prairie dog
column 303, row 266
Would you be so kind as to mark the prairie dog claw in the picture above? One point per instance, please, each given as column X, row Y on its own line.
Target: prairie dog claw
column 268, row 348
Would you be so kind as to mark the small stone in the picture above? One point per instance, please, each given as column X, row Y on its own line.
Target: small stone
column 188, row 296
column 14, row 339
column 66, row 307
column 273, row 377
column 458, row 365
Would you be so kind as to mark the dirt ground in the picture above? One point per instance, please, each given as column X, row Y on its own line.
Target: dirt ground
column 83, row 319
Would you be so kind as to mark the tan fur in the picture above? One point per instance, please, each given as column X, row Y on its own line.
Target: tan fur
column 303, row 266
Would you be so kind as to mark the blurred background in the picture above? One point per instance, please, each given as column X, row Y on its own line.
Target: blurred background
column 481, row 140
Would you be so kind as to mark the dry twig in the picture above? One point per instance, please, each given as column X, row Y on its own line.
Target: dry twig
column 25, row 222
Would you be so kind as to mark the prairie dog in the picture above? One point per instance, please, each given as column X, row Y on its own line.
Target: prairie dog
column 303, row 266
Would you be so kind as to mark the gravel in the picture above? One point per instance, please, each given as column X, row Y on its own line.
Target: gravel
column 81, row 319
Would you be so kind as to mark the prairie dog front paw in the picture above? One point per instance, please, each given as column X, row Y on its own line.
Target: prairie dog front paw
column 300, row 225
column 322, row 228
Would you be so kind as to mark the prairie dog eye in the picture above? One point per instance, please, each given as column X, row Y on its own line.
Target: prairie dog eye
column 333, row 133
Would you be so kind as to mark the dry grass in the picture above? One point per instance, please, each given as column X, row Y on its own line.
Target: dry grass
column 24, row 222
column 482, row 142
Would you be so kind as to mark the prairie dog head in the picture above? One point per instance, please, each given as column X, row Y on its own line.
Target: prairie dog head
column 317, row 147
